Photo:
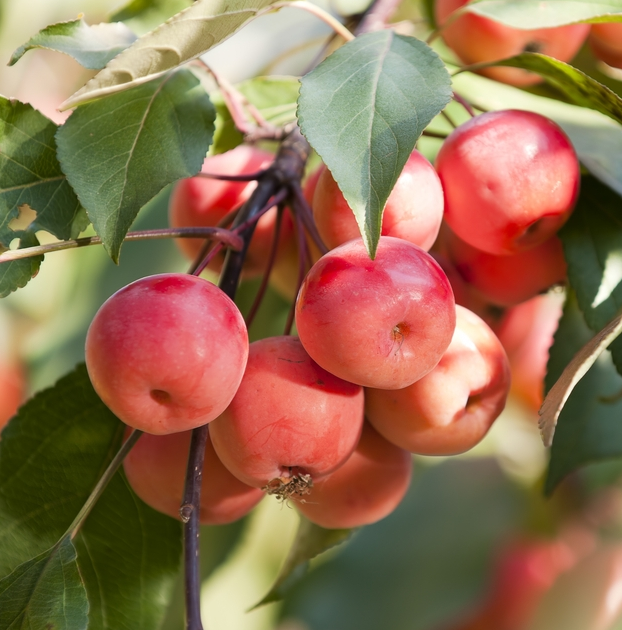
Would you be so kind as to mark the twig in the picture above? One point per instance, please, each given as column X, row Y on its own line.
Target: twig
column 213, row 233
column 377, row 16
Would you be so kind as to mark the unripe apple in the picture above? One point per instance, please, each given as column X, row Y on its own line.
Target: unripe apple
column 450, row 409
column 368, row 487
column 606, row 43
column 476, row 39
column 511, row 179
column 509, row 280
column 203, row 202
column 166, row 353
column 156, row 470
column 414, row 209
column 379, row 323
column 289, row 418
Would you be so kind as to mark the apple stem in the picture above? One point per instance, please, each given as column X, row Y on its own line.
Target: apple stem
column 465, row 104
column 248, row 177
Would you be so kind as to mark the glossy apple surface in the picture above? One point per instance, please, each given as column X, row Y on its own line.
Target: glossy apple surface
column 156, row 470
column 379, row 323
column 450, row 409
column 166, row 353
column 511, row 179
column 288, row 417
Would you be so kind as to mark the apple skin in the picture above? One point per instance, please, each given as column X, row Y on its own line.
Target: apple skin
column 166, row 353
column 476, row 39
column 414, row 209
column 289, row 416
column 526, row 333
column 509, row 280
column 511, row 179
column 366, row 489
column 606, row 43
column 12, row 390
column 156, row 470
column 203, row 202
column 451, row 408
column 378, row 323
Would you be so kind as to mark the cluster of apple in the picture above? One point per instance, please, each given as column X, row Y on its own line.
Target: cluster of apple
column 385, row 363
column 476, row 39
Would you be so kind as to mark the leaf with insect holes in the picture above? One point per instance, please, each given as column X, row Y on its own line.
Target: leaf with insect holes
column 311, row 540
column 580, row 88
column 589, row 427
column 184, row 37
column 91, row 46
column 532, row 14
column 592, row 240
column 120, row 152
column 273, row 97
column 363, row 109
column 45, row 592
column 51, row 456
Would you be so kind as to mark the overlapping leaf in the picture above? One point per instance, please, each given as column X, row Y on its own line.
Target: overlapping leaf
column 92, row 46
column 184, row 37
column 592, row 240
column 363, row 108
column 580, row 88
column 51, row 456
column 311, row 540
column 119, row 152
column 45, row 592
column 275, row 99
column 531, row 14
column 589, row 427
column 145, row 15
column 30, row 175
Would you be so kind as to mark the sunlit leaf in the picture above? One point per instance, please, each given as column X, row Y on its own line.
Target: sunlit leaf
column 92, row 46
column 532, row 14
column 119, row 152
column 363, row 109
column 45, row 593
column 184, row 37
column 311, row 540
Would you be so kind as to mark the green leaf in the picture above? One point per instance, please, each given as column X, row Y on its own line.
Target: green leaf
column 576, row 85
column 275, row 99
column 120, row 152
column 592, row 240
column 17, row 273
column 30, row 175
column 184, row 37
column 51, row 456
column 45, row 592
column 363, row 109
column 589, row 427
column 129, row 556
column 596, row 138
column 92, row 46
column 531, row 14
column 311, row 540
column 149, row 13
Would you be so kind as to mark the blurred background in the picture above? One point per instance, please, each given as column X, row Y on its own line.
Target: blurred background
column 474, row 545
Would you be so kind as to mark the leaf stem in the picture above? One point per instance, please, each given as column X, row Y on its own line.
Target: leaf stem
column 218, row 234
column 102, row 483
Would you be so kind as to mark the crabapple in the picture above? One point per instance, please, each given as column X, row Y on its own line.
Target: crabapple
column 379, row 323
column 156, row 470
column 511, row 180
column 289, row 418
column 368, row 487
column 166, row 353
column 204, row 202
column 509, row 280
column 12, row 387
column 526, row 333
column 414, row 209
column 451, row 408
column 476, row 39
column 606, row 43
